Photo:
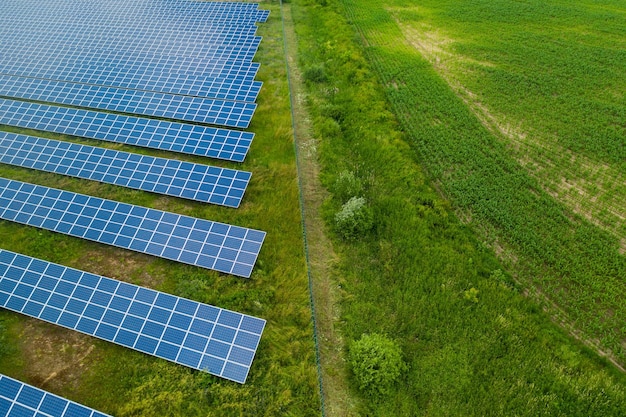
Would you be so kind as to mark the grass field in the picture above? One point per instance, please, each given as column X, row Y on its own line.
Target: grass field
column 546, row 78
column 555, row 252
column 477, row 341
column 121, row 382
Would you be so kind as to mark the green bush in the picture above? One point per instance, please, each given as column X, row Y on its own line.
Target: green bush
column 354, row 219
column 315, row 74
column 347, row 185
column 377, row 363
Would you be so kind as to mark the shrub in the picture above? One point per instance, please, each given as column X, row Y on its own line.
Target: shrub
column 354, row 219
column 377, row 363
column 347, row 185
column 315, row 74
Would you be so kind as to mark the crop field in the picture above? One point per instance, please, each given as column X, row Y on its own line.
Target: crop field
column 527, row 89
column 545, row 78
column 510, row 310
column 121, row 382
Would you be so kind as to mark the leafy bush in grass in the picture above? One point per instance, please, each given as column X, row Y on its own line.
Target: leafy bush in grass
column 354, row 219
column 377, row 363
column 347, row 185
column 315, row 74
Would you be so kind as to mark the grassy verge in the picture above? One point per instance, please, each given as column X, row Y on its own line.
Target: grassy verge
column 283, row 379
column 474, row 344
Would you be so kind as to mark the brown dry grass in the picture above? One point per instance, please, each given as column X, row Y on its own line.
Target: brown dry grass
column 56, row 357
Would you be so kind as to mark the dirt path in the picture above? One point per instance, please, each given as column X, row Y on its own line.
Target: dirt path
column 337, row 398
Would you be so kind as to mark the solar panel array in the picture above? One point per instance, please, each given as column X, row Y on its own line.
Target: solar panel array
column 232, row 87
column 217, row 143
column 159, row 175
column 183, row 60
column 18, row 399
column 197, row 335
column 141, row 9
column 211, row 245
column 246, row 46
column 174, row 66
column 140, row 58
column 148, row 103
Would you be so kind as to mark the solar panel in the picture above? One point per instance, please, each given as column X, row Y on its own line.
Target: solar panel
column 204, row 243
column 18, row 399
column 94, row 16
column 244, row 49
column 217, row 35
column 141, row 62
column 225, row 144
column 197, row 335
column 177, row 10
column 195, row 109
column 237, row 87
column 172, row 24
column 188, row 180
column 15, row 19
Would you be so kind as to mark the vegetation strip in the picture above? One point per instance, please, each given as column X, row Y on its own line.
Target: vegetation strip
column 419, row 276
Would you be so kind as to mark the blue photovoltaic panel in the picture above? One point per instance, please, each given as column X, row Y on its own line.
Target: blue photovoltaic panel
column 137, row 9
column 92, row 13
column 18, row 399
column 225, row 144
column 244, row 51
column 140, row 28
column 200, row 336
column 207, row 244
column 216, row 67
column 230, row 87
column 263, row 15
column 196, row 27
column 219, row 112
column 118, row 15
column 179, row 43
column 158, row 175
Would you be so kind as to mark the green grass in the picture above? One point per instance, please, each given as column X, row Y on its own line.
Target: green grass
column 553, row 251
column 474, row 343
column 121, row 382
column 545, row 77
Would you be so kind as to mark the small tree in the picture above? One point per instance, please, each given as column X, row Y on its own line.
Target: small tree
column 354, row 219
column 376, row 362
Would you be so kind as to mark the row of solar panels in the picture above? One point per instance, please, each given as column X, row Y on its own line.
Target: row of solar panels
column 185, row 10
column 197, row 335
column 140, row 9
column 199, row 242
column 174, row 75
column 22, row 400
column 208, row 78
